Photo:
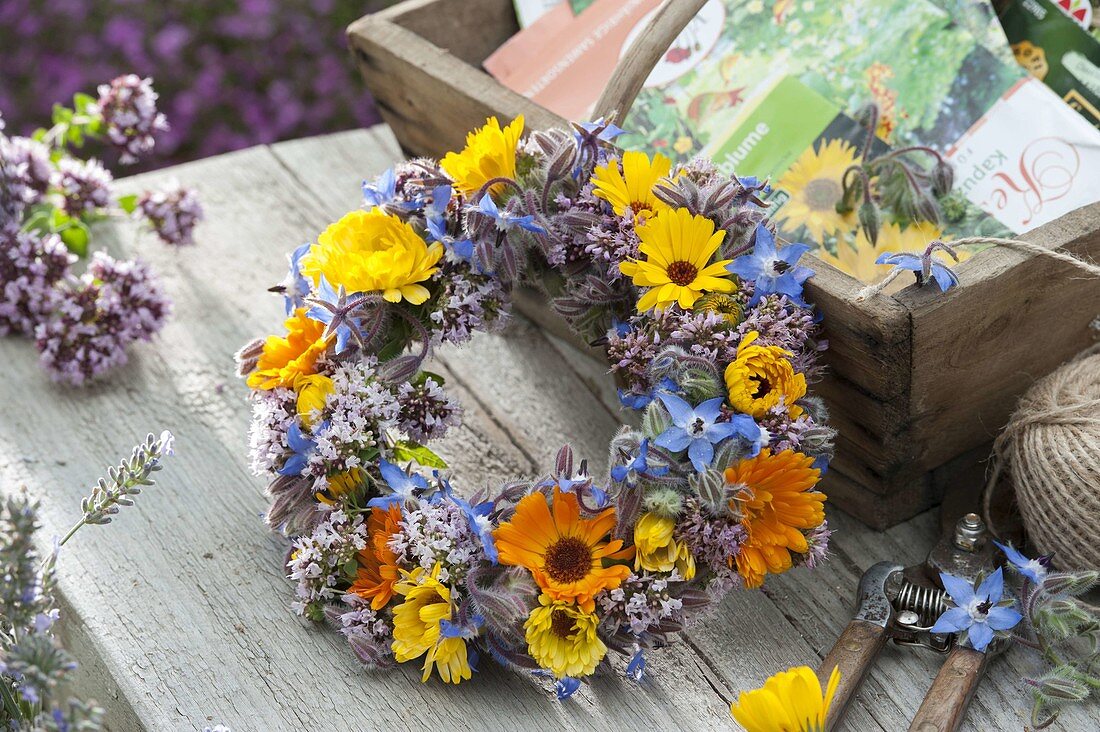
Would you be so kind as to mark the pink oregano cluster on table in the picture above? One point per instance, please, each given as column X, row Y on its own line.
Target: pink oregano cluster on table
column 49, row 199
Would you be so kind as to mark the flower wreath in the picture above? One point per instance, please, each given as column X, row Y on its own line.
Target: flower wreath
column 676, row 272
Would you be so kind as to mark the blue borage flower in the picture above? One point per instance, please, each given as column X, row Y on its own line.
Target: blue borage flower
column 697, row 429
column 1034, row 569
column 294, row 287
column 773, row 270
column 382, row 193
column 636, row 668
column 505, row 220
column 301, row 447
column 977, row 613
column 435, row 212
column 330, row 305
column 404, row 486
column 638, row 467
column 925, row 267
column 478, row 517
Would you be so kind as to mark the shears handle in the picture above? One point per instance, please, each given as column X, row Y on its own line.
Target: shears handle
column 854, row 654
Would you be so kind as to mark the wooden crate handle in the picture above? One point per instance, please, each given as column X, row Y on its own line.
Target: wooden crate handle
column 642, row 56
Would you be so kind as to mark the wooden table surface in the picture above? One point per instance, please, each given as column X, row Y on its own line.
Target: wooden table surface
column 179, row 612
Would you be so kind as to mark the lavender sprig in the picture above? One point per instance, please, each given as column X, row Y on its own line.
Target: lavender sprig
column 123, row 482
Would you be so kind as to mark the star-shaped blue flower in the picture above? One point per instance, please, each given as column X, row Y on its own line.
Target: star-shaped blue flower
column 404, row 486
column 698, row 430
column 976, row 612
column 383, row 192
column 638, row 467
column 774, row 271
column 926, row 268
column 301, row 447
column 636, row 668
column 566, row 687
column 435, row 213
column 295, row 287
column 336, row 306
column 641, row 401
column 602, row 130
column 478, row 518
column 505, row 220
column 1034, row 569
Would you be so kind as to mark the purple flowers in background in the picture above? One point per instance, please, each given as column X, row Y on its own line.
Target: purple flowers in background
column 130, row 117
column 229, row 74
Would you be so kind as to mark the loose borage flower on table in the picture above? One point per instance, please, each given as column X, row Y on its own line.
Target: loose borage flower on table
column 676, row 272
column 49, row 198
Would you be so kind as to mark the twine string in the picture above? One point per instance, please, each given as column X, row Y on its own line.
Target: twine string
column 1051, row 447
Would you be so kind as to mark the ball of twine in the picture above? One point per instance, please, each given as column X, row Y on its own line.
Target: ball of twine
column 1051, row 450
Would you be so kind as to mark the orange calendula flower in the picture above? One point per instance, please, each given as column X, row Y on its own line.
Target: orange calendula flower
column 564, row 552
column 378, row 572
column 284, row 359
column 761, row 376
column 778, row 502
column 490, row 153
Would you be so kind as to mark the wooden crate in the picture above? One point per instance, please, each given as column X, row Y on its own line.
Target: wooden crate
column 918, row 383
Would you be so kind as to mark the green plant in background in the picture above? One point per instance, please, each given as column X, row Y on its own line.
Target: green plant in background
column 906, row 181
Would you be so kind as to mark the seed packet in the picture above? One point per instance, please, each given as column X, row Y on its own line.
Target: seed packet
column 1055, row 49
column 935, row 84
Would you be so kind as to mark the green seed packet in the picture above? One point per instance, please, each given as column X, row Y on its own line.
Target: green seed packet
column 1056, row 50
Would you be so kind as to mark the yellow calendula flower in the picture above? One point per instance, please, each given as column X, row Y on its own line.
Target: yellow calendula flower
column 561, row 637
column 629, row 187
column 677, row 268
column 657, row 550
column 789, row 701
column 416, row 627
column 814, row 186
column 490, row 153
column 776, row 496
column 372, row 251
column 339, row 485
column 723, row 304
column 312, row 390
column 761, row 376
column 285, row 359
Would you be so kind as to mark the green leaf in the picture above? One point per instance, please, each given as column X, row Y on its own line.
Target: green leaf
column 423, row 376
column 76, row 238
column 128, row 203
column 405, row 451
column 82, row 101
column 61, row 115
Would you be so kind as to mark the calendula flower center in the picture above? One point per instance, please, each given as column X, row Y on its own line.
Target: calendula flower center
column 763, row 386
column 561, row 624
column 568, row 560
column 682, row 273
column 822, row 194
